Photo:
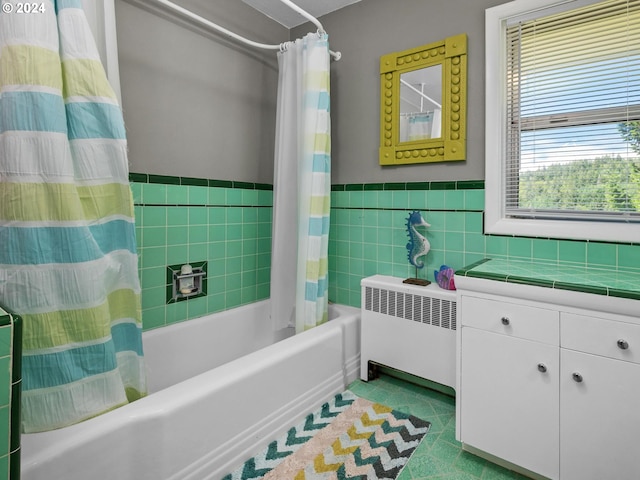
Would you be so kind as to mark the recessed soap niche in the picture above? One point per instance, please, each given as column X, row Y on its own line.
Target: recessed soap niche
column 186, row 281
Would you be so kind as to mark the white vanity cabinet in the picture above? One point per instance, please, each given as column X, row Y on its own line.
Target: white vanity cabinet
column 600, row 398
column 510, row 390
column 547, row 384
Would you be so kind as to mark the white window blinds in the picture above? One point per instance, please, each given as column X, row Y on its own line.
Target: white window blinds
column 573, row 114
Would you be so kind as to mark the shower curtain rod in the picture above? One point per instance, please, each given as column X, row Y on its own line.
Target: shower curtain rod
column 207, row 23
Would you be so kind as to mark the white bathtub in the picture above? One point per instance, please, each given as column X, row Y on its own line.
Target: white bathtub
column 201, row 427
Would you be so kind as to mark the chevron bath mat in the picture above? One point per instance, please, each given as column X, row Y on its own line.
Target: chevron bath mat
column 347, row 438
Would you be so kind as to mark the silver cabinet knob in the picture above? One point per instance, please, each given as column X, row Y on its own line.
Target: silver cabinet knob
column 542, row 367
column 505, row 320
column 577, row 377
column 623, row 344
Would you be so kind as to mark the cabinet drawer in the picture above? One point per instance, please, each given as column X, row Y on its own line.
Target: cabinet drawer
column 600, row 336
column 522, row 321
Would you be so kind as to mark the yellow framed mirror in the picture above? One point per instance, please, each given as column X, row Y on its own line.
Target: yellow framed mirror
column 423, row 103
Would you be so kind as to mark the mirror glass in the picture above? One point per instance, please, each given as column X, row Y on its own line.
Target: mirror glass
column 421, row 104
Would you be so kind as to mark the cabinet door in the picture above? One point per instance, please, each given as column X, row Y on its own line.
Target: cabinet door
column 509, row 407
column 600, row 418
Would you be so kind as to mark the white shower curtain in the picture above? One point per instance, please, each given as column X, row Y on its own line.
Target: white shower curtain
column 302, row 186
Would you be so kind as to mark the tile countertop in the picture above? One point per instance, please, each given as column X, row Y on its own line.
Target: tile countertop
column 602, row 281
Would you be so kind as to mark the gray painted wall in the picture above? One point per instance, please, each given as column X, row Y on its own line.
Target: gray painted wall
column 371, row 28
column 197, row 104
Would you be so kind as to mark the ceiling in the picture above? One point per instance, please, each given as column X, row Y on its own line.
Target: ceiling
column 282, row 14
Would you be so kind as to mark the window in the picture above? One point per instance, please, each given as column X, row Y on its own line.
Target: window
column 563, row 119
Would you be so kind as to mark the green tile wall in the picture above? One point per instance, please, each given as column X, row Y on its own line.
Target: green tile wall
column 182, row 220
column 10, row 376
column 228, row 224
column 368, row 235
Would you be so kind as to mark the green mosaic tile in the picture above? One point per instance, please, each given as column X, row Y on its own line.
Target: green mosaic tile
column 5, row 383
column 570, row 251
column 198, row 233
column 176, row 312
column 385, row 199
column 202, row 182
column 154, row 217
column 164, row 179
column 369, row 198
column 629, row 256
column 198, row 195
column 234, row 196
column 153, row 257
column 154, row 193
column 356, row 199
column 153, row 318
column 454, row 200
column 198, row 251
column 455, row 221
column 470, row 184
column 176, row 216
column 154, row 237
column 138, row 177
column 454, row 241
column 520, row 247
column 232, row 298
column 5, row 334
column 177, row 236
column 614, row 292
column 418, row 186
column 136, row 192
column 400, row 199
column 198, row 216
column 249, row 197
column 474, row 200
column 543, row 249
column 5, row 414
column 221, row 183
column 196, row 307
column 177, row 254
column 443, row 185
column 602, row 254
column 217, row 196
column 177, row 194
column 435, row 200
column 215, row 302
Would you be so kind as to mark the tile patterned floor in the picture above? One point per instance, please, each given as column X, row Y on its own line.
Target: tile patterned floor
column 439, row 456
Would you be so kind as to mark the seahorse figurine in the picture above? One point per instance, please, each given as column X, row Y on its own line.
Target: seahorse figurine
column 418, row 245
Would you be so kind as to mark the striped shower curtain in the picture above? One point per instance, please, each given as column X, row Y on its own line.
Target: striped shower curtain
column 302, row 186
column 68, row 261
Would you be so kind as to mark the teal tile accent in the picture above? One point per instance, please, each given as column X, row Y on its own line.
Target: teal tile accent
column 163, row 179
column 572, row 251
column 182, row 219
column 221, row 183
column 154, row 193
column 602, row 254
column 455, row 212
column 367, row 236
column 203, row 182
column 563, row 276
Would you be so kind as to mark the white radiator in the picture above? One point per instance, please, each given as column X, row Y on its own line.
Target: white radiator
column 409, row 328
